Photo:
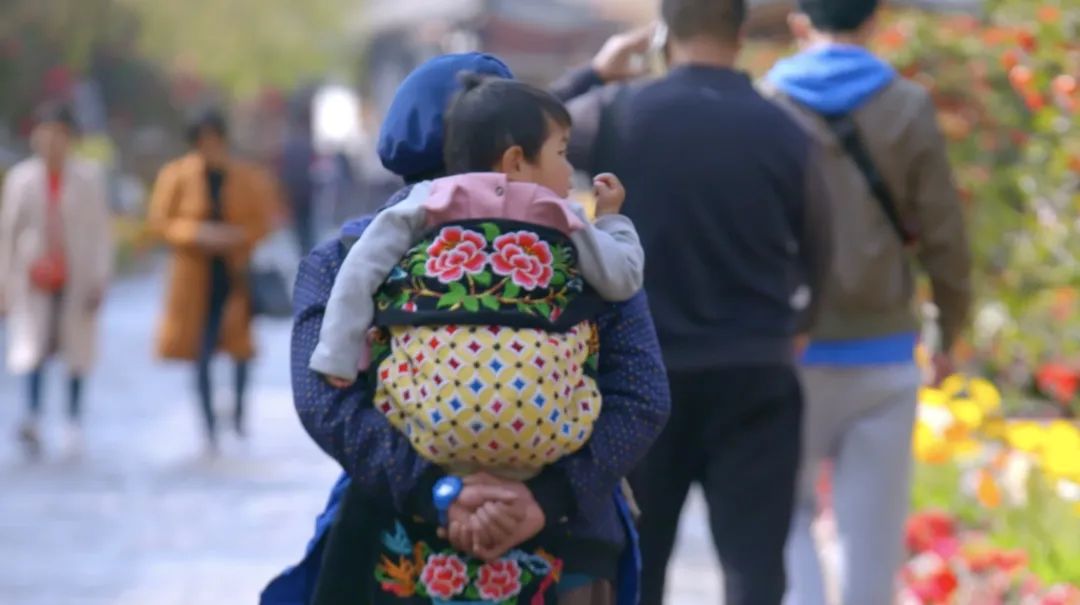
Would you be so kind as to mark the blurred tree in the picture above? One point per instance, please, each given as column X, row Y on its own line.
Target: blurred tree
column 245, row 44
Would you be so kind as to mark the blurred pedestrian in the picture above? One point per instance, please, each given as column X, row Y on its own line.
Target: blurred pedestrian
column 298, row 164
column 56, row 258
column 212, row 209
column 726, row 191
column 894, row 200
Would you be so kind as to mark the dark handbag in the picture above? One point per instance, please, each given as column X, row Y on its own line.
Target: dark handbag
column 269, row 292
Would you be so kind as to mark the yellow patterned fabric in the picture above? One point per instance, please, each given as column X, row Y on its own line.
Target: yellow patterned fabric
column 491, row 397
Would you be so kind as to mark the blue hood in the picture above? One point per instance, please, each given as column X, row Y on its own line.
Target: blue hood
column 411, row 138
column 832, row 79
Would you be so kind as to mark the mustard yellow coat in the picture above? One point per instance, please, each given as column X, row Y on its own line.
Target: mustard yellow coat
column 179, row 205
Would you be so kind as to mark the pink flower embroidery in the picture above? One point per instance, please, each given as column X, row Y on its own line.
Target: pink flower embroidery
column 444, row 576
column 525, row 258
column 499, row 581
column 455, row 252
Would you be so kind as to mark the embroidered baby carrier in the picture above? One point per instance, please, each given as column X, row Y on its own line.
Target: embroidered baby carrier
column 487, row 352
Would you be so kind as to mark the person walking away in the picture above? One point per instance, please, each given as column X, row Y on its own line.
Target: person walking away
column 212, row 210
column 727, row 194
column 297, row 166
column 894, row 200
column 56, row 258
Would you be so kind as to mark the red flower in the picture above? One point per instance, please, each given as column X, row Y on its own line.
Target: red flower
column 525, row 258
column 444, row 576
column 455, row 252
column 925, row 530
column 931, row 579
column 409, row 307
column 499, row 580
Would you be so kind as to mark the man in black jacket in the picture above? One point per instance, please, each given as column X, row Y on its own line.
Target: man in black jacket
column 725, row 191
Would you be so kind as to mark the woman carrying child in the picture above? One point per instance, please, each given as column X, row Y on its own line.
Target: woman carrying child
column 570, row 500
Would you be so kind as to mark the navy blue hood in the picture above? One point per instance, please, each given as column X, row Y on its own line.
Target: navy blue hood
column 411, row 137
column 833, row 79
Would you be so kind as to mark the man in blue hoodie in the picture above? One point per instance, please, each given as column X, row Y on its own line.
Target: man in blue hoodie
column 893, row 200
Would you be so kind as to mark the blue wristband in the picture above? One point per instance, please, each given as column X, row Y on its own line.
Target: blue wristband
column 443, row 494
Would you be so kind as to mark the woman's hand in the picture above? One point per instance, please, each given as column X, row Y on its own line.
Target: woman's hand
column 218, row 237
column 497, row 527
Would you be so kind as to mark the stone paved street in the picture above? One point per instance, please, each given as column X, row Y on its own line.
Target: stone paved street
column 142, row 519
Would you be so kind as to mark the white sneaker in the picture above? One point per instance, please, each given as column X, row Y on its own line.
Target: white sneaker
column 29, row 437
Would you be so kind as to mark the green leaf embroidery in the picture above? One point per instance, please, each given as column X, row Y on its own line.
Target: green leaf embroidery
column 490, row 302
column 402, row 299
column 448, row 300
column 458, row 288
column 558, row 278
column 491, row 231
column 419, row 270
column 484, row 279
column 471, row 304
column 512, row 291
column 544, row 309
column 524, row 308
column 472, row 592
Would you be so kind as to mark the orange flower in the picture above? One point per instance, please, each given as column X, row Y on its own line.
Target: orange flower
column 1064, row 85
column 1034, row 101
column 1021, row 77
column 1027, row 41
column 1048, row 14
column 986, row 490
column 892, row 38
column 1010, row 59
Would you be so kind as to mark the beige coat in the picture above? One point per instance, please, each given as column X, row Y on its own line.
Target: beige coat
column 179, row 206
column 88, row 246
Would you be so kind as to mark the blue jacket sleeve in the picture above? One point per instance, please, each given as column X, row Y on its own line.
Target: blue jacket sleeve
column 342, row 421
column 636, row 405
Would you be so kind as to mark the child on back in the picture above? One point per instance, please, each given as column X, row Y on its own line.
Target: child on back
column 481, row 288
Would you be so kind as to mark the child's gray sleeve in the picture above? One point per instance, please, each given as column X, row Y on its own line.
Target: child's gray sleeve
column 610, row 256
column 351, row 307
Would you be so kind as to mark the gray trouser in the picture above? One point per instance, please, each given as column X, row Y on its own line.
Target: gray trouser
column 862, row 419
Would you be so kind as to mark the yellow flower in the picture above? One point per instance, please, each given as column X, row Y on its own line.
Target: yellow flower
column 928, row 446
column 1024, row 435
column 967, row 412
column 933, row 397
column 984, row 393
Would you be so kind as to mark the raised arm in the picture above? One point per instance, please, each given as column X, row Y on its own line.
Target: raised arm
column 610, row 255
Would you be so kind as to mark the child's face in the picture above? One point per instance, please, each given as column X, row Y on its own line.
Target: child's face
column 550, row 168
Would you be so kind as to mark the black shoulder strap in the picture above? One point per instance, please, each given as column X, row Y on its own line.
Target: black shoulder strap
column 846, row 131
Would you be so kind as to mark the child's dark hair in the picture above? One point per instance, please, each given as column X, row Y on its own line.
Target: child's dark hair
column 491, row 115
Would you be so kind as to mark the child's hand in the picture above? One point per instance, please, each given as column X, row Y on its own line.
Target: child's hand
column 339, row 383
column 609, row 193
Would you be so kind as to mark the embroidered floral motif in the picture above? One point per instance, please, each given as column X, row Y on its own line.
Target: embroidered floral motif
column 444, row 576
column 524, row 258
column 499, row 580
column 463, row 269
column 454, row 253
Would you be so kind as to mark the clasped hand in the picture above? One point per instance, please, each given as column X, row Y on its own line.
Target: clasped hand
column 491, row 516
